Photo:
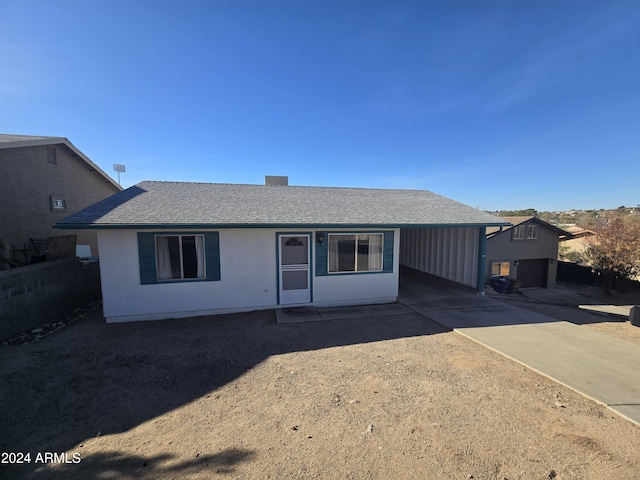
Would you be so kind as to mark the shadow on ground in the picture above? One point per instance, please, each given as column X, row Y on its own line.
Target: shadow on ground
column 457, row 306
column 122, row 465
column 94, row 379
column 571, row 303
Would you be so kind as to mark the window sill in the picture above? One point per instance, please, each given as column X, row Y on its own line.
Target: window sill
column 181, row 280
column 367, row 272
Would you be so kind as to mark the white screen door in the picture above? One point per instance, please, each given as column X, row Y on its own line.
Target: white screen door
column 294, row 269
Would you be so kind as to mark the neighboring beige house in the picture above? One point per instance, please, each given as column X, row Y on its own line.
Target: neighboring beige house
column 578, row 242
column 527, row 251
column 45, row 179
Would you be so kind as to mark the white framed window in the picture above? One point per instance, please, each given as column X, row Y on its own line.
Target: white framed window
column 361, row 252
column 518, row 232
column 180, row 257
column 58, row 204
column 500, row 269
column 532, row 232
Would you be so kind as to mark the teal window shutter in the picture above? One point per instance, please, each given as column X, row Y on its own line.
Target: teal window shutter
column 322, row 251
column 212, row 255
column 147, row 256
column 387, row 253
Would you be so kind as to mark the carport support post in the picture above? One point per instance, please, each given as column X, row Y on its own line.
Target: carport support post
column 482, row 255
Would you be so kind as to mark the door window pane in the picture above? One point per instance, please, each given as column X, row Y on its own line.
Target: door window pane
column 294, row 280
column 295, row 251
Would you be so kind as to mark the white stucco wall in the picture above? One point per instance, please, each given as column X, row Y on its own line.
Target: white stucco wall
column 249, row 273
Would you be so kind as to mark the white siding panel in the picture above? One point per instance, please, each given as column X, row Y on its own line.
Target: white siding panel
column 448, row 252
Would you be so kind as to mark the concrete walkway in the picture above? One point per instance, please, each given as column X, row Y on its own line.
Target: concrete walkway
column 622, row 310
column 603, row 368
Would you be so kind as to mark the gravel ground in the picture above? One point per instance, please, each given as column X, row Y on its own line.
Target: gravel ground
column 238, row 396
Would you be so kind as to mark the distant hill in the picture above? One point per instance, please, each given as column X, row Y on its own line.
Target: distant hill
column 570, row 217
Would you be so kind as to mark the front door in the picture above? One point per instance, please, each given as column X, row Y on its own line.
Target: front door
column 294, row 269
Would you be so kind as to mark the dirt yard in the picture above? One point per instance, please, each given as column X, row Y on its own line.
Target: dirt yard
column 241, row 397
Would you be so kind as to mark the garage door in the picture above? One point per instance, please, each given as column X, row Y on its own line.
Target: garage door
column 533, row 273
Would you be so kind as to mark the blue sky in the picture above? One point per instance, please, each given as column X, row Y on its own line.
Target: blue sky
column 497, row 104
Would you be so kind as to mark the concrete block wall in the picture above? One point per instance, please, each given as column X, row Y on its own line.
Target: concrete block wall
column 45, row 292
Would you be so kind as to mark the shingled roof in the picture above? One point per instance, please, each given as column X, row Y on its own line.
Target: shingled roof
column 7, row 140
column 153, row 204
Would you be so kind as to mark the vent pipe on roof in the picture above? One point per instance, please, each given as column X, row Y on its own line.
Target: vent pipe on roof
column 276, row 180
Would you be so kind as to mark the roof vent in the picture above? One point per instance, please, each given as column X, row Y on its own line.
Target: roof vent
column 276, row 180
column 52, row 155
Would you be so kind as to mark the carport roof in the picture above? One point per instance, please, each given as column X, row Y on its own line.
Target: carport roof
column 153, row 204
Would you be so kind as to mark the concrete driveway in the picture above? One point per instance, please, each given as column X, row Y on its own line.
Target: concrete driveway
column 601, row 367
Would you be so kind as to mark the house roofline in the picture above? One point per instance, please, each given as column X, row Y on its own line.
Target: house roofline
column 370, row 226
column 43, row 141
column 563, row 234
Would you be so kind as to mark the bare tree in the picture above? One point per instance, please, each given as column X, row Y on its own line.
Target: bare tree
column 615, row 250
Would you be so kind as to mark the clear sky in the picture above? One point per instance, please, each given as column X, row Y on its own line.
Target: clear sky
column 497, row 104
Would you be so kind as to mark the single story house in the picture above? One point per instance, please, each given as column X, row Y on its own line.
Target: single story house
column 172, row 249
column 527, row 250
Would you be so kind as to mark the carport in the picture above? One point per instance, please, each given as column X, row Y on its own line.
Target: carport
column 451, row 252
